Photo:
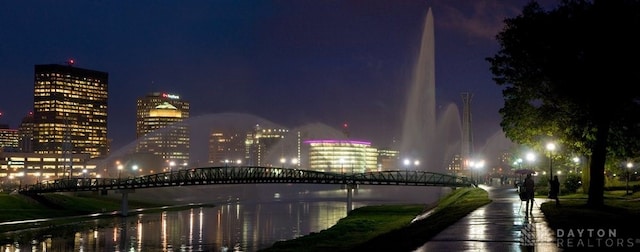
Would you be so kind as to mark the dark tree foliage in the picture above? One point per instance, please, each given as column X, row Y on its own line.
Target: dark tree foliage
column 572, row 73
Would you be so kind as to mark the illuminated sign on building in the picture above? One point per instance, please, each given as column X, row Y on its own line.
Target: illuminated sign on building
column 170, row 96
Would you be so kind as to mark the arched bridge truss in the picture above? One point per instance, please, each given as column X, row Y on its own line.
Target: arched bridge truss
column 248, row 175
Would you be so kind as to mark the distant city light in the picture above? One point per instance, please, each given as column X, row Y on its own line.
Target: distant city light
column 334, row 141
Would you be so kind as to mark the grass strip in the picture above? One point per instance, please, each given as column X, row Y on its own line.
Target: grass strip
column 619, row 213
column 388, row 227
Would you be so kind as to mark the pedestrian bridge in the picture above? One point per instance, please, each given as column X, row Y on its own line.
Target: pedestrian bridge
column 246, row 175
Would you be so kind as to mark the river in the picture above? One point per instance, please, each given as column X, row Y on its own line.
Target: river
column 244, row 218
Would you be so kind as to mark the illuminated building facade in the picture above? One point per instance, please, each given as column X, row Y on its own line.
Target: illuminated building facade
column 28, row 168
column 342, row 156
column 159, row 129
column 25, row 134
column 260, row 145
column 8, row 139
column 455, row 167
column 70, row 110
column 226, row 148
column 388, row 159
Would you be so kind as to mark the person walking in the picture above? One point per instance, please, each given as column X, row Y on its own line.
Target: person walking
column 554, row 189
column 529, row 188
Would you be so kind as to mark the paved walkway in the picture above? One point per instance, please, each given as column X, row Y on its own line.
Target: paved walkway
column 501, row 225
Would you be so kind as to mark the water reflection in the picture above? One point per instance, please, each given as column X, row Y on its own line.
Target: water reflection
column 246, row 227
column 255, row 222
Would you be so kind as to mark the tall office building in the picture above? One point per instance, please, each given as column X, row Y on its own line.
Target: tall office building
column 25, row 134
column 226, row 148
column 260, row 144
column 8, row 139
column 388, row 159
column 159, row 129
column 70, row 110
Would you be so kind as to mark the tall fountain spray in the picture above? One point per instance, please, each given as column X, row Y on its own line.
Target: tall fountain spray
column 424, row 138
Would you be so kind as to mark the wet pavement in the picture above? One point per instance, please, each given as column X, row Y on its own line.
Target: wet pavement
column 501, row 225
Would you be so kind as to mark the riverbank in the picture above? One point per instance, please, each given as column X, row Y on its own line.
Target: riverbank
column 389, row 227
column 384, row 227
column 380, row 228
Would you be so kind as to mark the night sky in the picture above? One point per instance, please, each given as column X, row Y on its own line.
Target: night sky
column 292, row 62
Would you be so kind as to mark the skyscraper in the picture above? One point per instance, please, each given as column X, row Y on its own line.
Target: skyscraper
column 25, row 134
column 159, row 129
column 260, row 143
column 70, row 110
column 8, row 139
column 225, row 148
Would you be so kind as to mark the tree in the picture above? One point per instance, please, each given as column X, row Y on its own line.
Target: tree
column 571, row 73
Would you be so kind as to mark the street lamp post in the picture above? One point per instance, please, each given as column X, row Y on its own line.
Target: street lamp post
column 479, row 166
column 518, row 162
column 135, row 169
column 407, row 163
column 476, row 166
column 629, row 166
column 576, row 160
column 120, row 167
column 551, row 147
column 171, row 165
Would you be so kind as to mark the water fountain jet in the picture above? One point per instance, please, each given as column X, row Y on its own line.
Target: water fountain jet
column 425, row 138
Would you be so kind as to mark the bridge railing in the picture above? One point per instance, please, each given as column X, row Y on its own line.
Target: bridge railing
column 249, row 175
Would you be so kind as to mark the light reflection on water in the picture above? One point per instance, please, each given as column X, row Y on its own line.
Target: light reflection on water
column 233, row 225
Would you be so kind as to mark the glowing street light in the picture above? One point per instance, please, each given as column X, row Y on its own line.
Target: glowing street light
column 477, row 166
column 531, row 157
column 576, row 160
column 120, row 167
column 407, row 163
column 171, row 165
column 518, row 163
column 134, row 168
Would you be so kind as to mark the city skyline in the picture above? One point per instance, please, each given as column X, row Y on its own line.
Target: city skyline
column 292, row 63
